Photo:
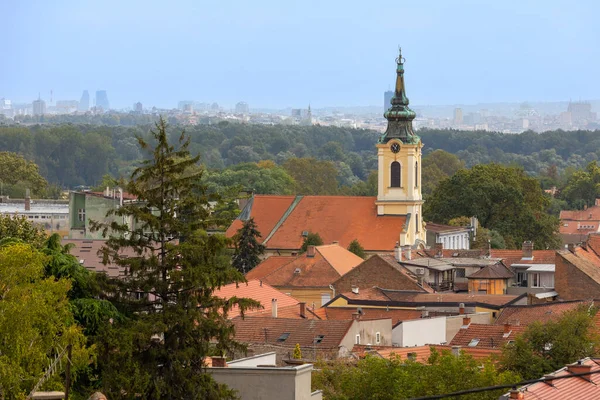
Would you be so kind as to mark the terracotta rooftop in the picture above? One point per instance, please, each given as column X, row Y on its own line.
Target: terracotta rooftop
column 86, row 251
column 586, row 260
column 268, row 266
column 289, row 312
column 440, row 228
column 546, row 312
column 580, row 388
column 283, row 219
column 496, row 271
column 348, row 313
column 288, row 332
column 485, row 335
column 321, row 270
column 258, row 291
column 422, row 353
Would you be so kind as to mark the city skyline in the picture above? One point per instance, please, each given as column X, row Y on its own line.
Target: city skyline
column 274, row 55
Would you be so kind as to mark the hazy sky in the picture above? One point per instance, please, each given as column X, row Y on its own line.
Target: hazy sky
column 284, row 53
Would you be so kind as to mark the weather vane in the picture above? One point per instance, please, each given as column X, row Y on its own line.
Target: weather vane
column 400, row 59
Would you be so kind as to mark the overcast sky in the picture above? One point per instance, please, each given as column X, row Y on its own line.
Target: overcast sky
column 284, row 53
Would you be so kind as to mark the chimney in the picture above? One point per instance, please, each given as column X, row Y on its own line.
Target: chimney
column 27, row 200
column 310, row 251
column 507, row 330
column 407, row 252
column 579, row 368
column 516, row 394
column 439, row 249
column 274, row 308
column 219, row 362
column 356, row 315
column 571, row 247
column 461, row 309
column 302, row 309
column 107, row 192
column 456, row 351
column 597, row 202
column 424, row 314
column 466, row 322
column 528, row 250
column 398, row 252
column 354, row 289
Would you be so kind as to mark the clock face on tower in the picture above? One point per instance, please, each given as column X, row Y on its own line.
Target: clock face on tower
column 395, row 147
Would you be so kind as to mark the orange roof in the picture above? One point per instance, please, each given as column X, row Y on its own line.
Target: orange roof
column 511, row 257
column 490, row 336
column 267, row 266
column 282, row 220
column 347, row 313
column 546, row 312
column 255, row 290
column 266, row 211
column 412, row 297
column 321, row 270
column 422, row 353
column 287, row 312
column 581, row 388
column 590, row 214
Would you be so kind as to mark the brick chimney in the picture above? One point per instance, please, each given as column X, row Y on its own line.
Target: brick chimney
column 516, row 394
column 302, row 309
column 456, row 351
column 579, row 368
column 219, row 362
column 528, row 250
column 439, row 249
column 274, row 308
column 310, row 251
column 466, row 321
column 461, row 309
column 507, row 330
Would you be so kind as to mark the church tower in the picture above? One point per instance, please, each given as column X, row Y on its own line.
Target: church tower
column 399, row 166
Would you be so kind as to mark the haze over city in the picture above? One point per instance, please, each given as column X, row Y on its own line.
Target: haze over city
column 275, row 54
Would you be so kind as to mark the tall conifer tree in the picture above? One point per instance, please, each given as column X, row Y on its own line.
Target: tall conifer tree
column 247, row 247
column 173, row 320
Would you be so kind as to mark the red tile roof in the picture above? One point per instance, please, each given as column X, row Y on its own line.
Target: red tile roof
column 268, row 266
column 580, row 388
column 288, row 312
column 334, row 218
column 490, row 336
column 422, row 353
column 347, row 313
column 496, row 271
column 269, row 330
column 491, row 299
column 546, row 312
column 86, row 251
column 325, row 267
column 255, row 290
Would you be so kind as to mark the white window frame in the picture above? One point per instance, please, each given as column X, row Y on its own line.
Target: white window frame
column 377, row 337
column 357, row 339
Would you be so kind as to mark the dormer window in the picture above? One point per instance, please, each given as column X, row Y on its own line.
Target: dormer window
column 473, row 342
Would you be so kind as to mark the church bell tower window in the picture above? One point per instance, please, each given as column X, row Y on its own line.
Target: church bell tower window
column 395, row 174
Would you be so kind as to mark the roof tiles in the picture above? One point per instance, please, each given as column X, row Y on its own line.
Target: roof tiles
column 258, row 291
column 489, row 336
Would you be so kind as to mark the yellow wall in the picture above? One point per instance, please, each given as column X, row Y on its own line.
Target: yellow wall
column 493, row 286
column 307, row 295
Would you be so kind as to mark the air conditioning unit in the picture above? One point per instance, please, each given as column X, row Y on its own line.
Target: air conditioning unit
column 420, row 271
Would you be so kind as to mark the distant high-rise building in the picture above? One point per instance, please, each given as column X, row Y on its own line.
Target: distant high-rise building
column 39, row 107
column 458, row 116
column 137, row 107
column 102, row 100
column 183, row 103
column 214, row 107
column 242, row 108
column 6, row 107
column 84, row 103
column 387, row 99
column 581, row 112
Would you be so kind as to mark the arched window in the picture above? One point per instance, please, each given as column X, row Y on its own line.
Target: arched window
column 416, row 174
column 395, row 174
column 417, row 223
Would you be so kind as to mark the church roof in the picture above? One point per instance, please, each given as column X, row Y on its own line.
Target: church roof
column 282, row 221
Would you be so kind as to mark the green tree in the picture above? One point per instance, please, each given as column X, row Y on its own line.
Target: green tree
column 248, row 249
column 36, row 323
column 312, row 239
column 503, row 198
column 544, row 348
column 583, row 186
column 460, row 221
column 16, row 169
column 313, row 177
column 265, row 178
column 388, row 379
column 356, row 248
column 297, row 352
column 437, row 166
column 19, row 228
column 488, row 238
column 173, row 319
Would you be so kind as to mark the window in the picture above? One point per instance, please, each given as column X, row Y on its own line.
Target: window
column 325, row 297
column 535, row 279
column 81, row 214
column 283, row 337
column 460, row 272
column 417, row 223
column 357, row 340
column 319, row 339
column 395, row 174
column 417, row 174
column 473, row 342
column 377, row 338
column 522, row 279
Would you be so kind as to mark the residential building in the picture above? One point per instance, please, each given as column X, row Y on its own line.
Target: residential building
column 318, row 339
column 485, row 335
column 380, row 270
column 308, row 277
column 52, row 215
column 576, row 225
column 6, row 107
column 452, row 237
column 378, row 223
column 577, row 275
column 87, row 251
column 102, row 100
column 570, row 387
column 534, row 271
column 525, row 315
column 491, row 279
column 257, row 378
column 84, row 102
column 39, row 107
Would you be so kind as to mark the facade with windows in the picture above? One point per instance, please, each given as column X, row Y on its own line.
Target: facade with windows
column 52, row 215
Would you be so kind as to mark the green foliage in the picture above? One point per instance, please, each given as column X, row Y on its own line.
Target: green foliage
column 297, row 355
column 19, row 227
column 248, row 248
column 259, row 178
column 312, row 239
column 544, row 348
column 172, row 323
column 437, row 166
column 35, row 322
column 15, row 169
column 582, row 187
column 487, row 238
column 356, row 248
column 504, row 199
column 383, row 379
column 460, row 221
column 312, row 176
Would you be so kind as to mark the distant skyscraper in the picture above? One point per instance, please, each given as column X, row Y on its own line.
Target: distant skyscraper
column 137, row 107
column 458, row 116
column 387, row 99
column 84, row 103
column 242, row 108
column 39, row 107
column 102, row 100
